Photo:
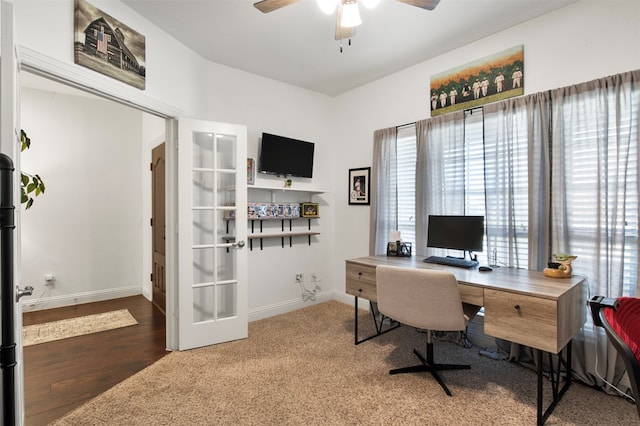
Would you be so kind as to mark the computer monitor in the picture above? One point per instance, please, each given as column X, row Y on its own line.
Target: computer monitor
column 464, row 233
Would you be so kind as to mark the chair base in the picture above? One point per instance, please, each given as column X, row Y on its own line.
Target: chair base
column 431, row 367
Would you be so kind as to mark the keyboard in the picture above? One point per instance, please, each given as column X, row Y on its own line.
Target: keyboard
column 451, row 261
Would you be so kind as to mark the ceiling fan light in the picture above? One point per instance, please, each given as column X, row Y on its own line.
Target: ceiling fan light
column 350, row 14
column 328, row 6
column 370, row 4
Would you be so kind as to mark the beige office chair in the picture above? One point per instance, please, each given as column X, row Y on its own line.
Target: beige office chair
column 425, row 299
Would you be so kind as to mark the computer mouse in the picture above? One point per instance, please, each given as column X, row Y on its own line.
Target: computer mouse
column 485, row 269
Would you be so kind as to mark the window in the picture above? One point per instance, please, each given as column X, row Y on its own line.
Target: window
column 593, row 188
column 406, row 175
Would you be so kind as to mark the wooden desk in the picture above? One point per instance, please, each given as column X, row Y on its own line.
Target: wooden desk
column 519, row 305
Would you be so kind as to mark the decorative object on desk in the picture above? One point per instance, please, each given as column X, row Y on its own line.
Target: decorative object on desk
column 399, row 249
column 561, row 268
column 310, row 209
column 359, row 185
column 287, row 183
column 251, row 171
column 489, row 79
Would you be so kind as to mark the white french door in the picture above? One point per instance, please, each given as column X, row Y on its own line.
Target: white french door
column 9, row 140
column 212, row 217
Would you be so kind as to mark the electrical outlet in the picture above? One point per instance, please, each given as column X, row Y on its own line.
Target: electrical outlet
column 299, row 277
column 49, row 280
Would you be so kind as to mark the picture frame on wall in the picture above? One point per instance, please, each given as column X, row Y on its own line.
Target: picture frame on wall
column 107, row 46
column 485, row 80
column 251, row 171
column 359, row 186
column 310, row 210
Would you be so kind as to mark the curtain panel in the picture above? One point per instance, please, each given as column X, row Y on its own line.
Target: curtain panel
column 384, row 190
column 440, row 171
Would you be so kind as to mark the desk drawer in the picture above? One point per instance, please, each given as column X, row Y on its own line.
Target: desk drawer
column 361, row 281
column 472, row 295
column 528, row 320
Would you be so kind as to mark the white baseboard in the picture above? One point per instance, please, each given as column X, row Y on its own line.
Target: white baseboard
column 290, row 305
column 29, row 305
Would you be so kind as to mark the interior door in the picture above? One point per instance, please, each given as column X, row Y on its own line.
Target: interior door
column 12, row 373
column 212, row 217
column 158, row 227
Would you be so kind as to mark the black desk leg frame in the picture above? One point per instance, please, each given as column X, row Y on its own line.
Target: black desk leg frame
column 379, row 324
column 554, row 377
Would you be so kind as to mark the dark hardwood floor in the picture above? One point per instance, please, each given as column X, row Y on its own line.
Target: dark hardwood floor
column 62, row 375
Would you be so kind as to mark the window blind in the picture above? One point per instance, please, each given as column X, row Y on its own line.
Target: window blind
column 406, row 178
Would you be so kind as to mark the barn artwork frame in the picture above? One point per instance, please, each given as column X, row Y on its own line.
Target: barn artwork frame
column 489, row 79
column 106, row 45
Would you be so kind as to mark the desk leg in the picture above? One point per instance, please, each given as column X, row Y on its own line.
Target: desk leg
column 378, row 324
column 555, row 381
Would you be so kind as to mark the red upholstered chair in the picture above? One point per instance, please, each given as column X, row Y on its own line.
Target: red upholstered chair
column 621, row 320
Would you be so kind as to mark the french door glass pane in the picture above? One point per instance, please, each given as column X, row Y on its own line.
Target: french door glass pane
column 203, row 188
column 226, row 152
column 203, row 304
column 203, row 150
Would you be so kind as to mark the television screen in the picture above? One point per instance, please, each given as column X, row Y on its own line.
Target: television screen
column 284, row 156
column 456, row 232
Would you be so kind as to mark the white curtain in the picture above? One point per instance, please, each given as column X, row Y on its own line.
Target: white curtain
column 517, row 177
column 440, row 171
column 594, row 197
column 384, row 191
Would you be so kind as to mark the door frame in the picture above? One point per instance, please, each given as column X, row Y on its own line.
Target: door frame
column 70, row 75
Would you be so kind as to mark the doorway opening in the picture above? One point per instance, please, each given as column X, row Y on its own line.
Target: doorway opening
column 90, row 229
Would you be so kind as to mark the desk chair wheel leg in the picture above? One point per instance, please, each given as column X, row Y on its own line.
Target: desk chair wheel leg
column 429, row 366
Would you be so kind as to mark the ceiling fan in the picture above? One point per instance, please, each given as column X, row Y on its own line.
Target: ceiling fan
column 348, row 15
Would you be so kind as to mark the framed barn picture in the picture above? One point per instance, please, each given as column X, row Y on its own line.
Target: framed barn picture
column 108, row 46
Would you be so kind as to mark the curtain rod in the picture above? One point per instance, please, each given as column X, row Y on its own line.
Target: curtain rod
column 470, row 110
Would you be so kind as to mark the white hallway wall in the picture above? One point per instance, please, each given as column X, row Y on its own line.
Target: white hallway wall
column 581, row 42
column 86, row 229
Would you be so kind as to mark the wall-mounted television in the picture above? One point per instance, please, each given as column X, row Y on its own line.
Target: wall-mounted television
column 284, row 156
column 464, row 233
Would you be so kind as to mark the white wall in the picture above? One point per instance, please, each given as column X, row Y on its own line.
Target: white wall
column 86, row 228
column 581, row 42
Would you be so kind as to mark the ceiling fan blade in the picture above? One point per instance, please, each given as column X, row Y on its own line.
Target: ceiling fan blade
column 423, row 4
column 343, row 32
column 266, row 6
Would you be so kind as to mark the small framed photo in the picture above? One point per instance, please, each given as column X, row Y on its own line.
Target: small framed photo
column 359, row 185
column 310, row 210
column 251, row 171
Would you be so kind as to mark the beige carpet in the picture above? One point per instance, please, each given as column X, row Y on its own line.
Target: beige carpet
column 63, row 329
column 302, row 368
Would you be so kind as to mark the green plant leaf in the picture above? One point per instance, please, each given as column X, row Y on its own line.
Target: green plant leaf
column 29, row 183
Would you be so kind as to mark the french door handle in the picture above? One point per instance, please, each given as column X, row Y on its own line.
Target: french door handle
column 28, row 291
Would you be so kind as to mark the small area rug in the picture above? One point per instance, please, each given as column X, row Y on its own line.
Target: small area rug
column 63, row 329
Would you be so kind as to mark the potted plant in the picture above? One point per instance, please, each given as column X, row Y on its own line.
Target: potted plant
column 30, row 185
